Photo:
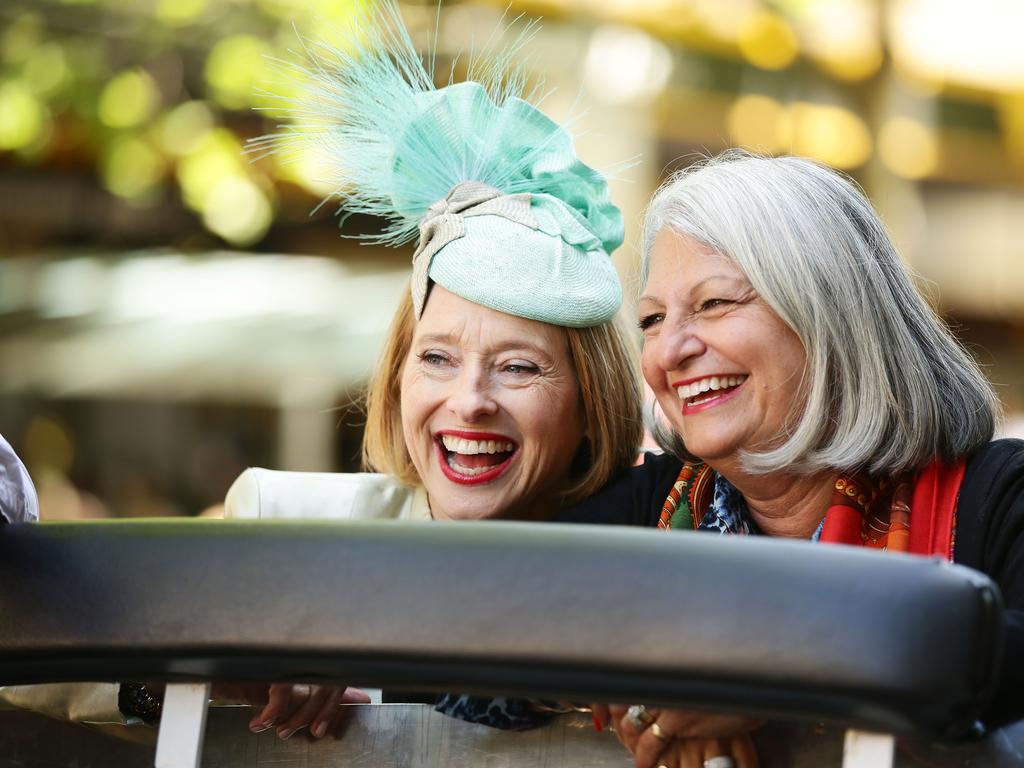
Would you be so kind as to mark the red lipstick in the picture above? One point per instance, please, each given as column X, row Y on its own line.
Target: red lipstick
column 484, row 477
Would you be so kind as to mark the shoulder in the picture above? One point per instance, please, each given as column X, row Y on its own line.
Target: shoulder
column 633, row 497
column 996, row 457
column 265, row 493
column 993, row 473
column 990, row 509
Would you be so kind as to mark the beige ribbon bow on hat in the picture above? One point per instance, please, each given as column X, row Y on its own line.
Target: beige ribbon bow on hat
column 445, row 222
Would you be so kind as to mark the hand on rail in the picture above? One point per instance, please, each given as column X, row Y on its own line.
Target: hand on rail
column 288, row 707
column 681, row 736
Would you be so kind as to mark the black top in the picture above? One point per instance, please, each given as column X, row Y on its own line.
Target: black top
column 989, row 536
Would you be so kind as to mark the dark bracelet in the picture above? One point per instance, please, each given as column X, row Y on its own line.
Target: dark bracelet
column 135, row 700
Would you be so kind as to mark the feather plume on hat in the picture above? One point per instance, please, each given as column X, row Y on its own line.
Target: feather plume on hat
column 457, row 166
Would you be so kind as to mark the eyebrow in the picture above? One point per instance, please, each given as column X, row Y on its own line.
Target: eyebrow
column 700, row 284
column 514, row 344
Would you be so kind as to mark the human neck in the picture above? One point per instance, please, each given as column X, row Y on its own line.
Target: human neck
column 782, row 504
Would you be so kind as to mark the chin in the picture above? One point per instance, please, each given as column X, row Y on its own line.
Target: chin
column 465, row 509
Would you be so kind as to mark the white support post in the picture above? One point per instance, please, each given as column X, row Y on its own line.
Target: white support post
column 862, row 749
column 179, row 743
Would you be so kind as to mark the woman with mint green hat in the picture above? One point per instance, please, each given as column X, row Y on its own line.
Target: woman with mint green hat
column 506, row 388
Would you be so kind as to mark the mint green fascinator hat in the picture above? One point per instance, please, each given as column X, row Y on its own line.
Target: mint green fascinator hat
column 504, row 213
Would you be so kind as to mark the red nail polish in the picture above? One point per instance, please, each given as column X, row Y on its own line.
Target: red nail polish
column 597, row 723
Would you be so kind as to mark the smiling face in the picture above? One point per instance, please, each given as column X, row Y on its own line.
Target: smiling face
column 491, row 411
column 724, row 367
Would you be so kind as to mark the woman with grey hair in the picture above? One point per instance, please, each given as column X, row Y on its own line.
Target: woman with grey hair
column 812, row 393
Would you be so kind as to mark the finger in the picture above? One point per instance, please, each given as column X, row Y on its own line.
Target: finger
column 648, row 747
column 745, row 753
column 280, row 702
column 306, row 702
column 265, row 711
column 617, row 713
column 627, row 732
column 690, row 754
column 602, row 714
column 324, row 720
column 713, row 748
column 355, row 696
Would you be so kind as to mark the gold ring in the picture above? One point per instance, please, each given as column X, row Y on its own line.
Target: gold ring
column 659, row 734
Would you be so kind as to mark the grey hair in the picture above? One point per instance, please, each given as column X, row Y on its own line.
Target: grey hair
column 887, row 388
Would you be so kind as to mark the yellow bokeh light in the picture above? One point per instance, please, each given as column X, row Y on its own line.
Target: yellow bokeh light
column 218, row 156
column 179, row 12
column 834, row 135
column 131, row 167
column 305, row 167
column 128, row 100
column 46, row 69
column 854, row 64
column 767, row 41
column 759, row 123
column 237, row 210
column 48, row 444
column 235, row 68
column 184, row 129
column 909, row 148
column 21, row 38
column 23, row 118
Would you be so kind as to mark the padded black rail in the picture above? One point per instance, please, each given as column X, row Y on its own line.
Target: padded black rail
column 780, row 629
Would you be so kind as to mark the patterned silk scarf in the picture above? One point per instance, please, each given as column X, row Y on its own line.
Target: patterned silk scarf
column 904, row 514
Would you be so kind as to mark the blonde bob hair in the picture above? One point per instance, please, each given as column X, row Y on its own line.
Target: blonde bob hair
column 887, row 388
column 605, row 365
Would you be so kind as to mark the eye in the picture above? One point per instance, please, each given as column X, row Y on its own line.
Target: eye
column 647, row 321
column 520, row 368
column 434, row 359
column 713, row 304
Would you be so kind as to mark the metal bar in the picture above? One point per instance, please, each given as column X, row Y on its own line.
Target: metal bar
column 862, row 749
column 182, row 724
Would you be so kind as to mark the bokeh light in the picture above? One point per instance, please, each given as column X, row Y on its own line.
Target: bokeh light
column 131, row 167
column 832, row 134
column 237, row 210
column 759, row 123
column 23, row 117
column 909, row 148
column 48, row 443
column 236, row 67
column 180, row 12
column 46, row 69
column 128, row 100
column 184, row 129
column 218, row 155
column 21, row 37
column 625, row 65
column 767, row 41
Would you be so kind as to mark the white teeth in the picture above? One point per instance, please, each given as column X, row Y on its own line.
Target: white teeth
column 467, row 471
column 696, row 388
column 469, row 447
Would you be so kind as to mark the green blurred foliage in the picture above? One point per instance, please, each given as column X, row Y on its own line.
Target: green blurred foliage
column 157, row 97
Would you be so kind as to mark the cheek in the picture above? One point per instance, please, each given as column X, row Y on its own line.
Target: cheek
column 653, row 374
column 413, row 407
column 552, row 423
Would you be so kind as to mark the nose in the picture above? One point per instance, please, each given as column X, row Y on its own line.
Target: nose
column 471, row 397
column 675, row 345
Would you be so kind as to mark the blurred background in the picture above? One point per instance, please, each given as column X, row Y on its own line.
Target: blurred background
column 171, row 312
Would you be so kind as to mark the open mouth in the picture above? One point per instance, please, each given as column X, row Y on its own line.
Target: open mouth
column 709, row 390
column 471, row 458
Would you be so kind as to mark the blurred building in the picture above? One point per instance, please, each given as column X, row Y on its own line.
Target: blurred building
column 170, row 312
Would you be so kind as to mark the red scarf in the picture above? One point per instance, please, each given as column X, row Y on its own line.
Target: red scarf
column 907, row 514
column 918, row 515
